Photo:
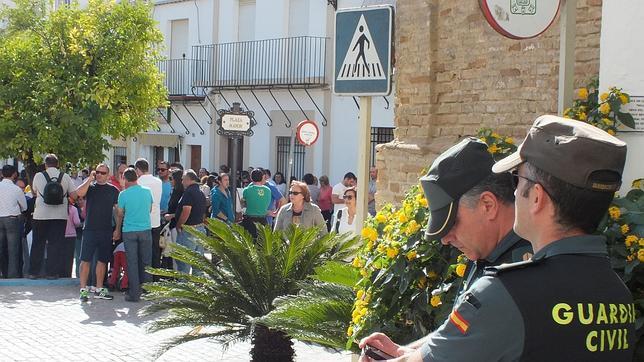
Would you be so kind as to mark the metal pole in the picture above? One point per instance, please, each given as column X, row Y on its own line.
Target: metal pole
column 364, row 149
column 291, row 152
column 234, row 167
column 567, row 34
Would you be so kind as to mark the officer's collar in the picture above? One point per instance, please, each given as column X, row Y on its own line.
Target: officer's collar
column 583, row 244
column 504, row 245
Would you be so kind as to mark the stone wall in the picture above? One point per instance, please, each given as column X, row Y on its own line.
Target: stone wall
column 455, row 74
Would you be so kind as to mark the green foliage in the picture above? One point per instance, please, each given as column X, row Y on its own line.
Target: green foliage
column 242, row 287
column 601, row 110
column 321, row 311
column 70, row 77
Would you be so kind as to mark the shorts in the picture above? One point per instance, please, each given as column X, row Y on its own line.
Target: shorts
column 96, row 241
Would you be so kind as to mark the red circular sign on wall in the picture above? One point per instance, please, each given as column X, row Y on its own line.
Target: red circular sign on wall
column 520, row 19
column 307, row 132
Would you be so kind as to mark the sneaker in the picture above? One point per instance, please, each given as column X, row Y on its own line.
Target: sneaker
column 102, row 294
column 92, row 289
column 84, row 295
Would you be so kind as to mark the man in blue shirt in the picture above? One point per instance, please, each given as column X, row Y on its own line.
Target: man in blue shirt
column 163, row 170
column 133, row 214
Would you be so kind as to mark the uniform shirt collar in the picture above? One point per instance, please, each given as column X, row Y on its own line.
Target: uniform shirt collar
column 582, row 244
column 504, row 245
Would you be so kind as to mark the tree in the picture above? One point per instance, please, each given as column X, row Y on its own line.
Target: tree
column 71, row 77
column 251, row 274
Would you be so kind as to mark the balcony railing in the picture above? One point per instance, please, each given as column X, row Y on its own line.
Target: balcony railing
column 297, row 62
column 179, row 75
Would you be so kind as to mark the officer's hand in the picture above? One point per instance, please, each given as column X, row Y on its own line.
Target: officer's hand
column 383, row 343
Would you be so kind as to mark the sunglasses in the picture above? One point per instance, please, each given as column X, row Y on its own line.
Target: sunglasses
column 515, row 182
column 101, row 173
column 294, row 193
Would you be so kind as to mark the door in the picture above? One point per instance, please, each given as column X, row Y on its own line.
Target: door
column 195, row 157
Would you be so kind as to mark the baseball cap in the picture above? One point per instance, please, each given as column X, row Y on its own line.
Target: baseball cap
column 572, row 151
column 451, row 175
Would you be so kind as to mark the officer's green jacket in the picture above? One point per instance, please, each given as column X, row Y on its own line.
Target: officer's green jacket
column 564, row 304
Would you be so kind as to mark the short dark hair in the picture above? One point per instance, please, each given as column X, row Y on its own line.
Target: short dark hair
column 142, row 164
column 164, row 163
column 267, row 172
column 575, row 207
column 8, row 170
column 350, row 175
column 176, row 165
column 309, row 179
column 192, row 175
column 224, row 168
column 130, row 175
column 498, row 184
column 257, row 175
column 176, row 176
column 51, row 160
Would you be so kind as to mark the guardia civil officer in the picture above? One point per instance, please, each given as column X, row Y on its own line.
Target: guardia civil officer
column 565, row 303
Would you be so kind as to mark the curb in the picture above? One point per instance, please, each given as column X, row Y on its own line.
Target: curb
column 25, row 282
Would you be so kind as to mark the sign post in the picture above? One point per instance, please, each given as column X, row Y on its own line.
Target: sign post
column 362, row 67
column 235, row 124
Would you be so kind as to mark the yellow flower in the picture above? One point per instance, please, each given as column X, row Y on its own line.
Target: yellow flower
column 350, row 331
column 509, row 140
column 435, row 301
column 623, row 98
column 640, row 255
column 432, row 275
column 460, row 270
column 364, row 272
column 493, row 149
column 583, row 93
column 582, row 116
column 607, row 121
column 495, row 135
column 370, row 233
column 604, row 108
column 412, row 228
column 484, row 139
column 357, row 263
column 402, row 217
column 630, row 240
column 641, row 242
column 370, row 245
column 630, row 258
column 423, row 202
column 360, row 294
column 610, row 132
column 603, row 97
column 614, row 212
column 381, row 248
column 637, row 184
column 392, row 252
column 380, row 218
column 411, row 255
column 422, row 282
column 388, row 229
column 625, row 229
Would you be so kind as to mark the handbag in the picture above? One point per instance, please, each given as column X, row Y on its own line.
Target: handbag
column 165, row 239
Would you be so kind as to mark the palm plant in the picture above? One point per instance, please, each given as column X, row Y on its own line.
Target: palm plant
column 249, row 276
column 321, row 312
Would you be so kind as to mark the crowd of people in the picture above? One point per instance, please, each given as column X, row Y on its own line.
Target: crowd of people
column 114, row 225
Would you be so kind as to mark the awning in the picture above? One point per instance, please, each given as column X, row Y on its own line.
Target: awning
column 159, row 139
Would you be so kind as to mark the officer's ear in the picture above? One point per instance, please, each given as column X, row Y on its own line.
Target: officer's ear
column 489, row 204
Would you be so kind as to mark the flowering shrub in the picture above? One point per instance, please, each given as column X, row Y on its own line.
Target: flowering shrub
column 601, row 110
column 408, row 285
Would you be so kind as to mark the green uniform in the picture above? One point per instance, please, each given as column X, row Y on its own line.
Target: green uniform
column 258, row 198
column 564, row 304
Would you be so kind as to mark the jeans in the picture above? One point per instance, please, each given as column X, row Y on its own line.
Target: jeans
column 156, row 250
column 50, row 234
column 138, row 252
column 10, row 236
column 189, row 241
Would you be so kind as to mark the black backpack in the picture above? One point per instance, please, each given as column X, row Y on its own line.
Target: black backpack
column 53, row 193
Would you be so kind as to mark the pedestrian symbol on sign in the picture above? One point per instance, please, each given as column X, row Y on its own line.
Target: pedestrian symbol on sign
column 361, row 61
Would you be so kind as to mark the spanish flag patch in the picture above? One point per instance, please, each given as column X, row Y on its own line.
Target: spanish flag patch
column 457, row 319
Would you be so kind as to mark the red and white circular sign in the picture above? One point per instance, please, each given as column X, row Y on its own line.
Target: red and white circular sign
column 520, row 19
column 307, row 132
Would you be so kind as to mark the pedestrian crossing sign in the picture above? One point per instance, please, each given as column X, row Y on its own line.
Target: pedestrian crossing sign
column 363, row 39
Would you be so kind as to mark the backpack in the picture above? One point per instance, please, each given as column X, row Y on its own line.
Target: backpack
column 53, row 193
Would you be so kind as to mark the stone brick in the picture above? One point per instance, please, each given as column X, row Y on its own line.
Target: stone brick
column 454, row 74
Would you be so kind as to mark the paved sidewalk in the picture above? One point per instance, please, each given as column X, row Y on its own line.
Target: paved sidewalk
column 49, row 322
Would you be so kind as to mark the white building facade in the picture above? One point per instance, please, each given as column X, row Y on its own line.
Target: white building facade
column 274, row 57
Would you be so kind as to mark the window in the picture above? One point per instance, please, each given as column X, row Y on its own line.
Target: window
column 120, row 157
column 299, row 153
column 173, row 155
column 379, row 135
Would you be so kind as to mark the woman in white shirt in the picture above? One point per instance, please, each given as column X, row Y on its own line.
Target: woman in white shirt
column 344, row 220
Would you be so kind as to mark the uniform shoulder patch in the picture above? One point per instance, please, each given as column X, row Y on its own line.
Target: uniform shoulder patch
column 492, row 271
column 459, row 322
